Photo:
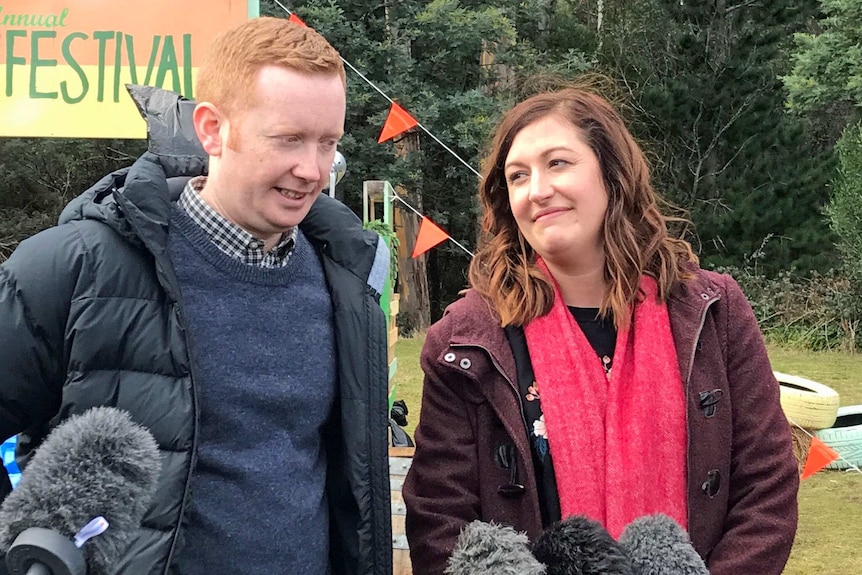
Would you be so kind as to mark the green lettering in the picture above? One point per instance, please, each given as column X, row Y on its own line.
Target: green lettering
column 130, row 53
column 169, row 63
column 11, row 58
column 151, row 64
column 51, row 21
column 118, row 56
column 37, row 21
column 102, row 37
column 70, row 59
column 36, row 62
column 22, row 20
column 63, row 15
column 187, row 66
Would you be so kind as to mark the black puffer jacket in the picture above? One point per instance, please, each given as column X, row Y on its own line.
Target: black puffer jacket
column 90, row 315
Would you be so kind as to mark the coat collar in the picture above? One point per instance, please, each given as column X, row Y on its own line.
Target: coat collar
column 687, row 306
column 479, row 324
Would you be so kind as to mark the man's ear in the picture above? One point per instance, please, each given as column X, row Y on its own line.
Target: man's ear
column 209, row 123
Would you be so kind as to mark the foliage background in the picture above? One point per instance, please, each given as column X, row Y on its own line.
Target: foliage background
column 739, row 106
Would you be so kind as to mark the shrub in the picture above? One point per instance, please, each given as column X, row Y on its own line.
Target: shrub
column 816, row 312
column 845, row 206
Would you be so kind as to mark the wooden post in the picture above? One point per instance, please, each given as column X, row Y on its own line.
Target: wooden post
column 400, row 459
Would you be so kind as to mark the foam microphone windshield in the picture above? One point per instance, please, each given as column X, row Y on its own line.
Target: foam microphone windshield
column 491, row 549
column 657, row 545
column 580, row 546
column 99, row 463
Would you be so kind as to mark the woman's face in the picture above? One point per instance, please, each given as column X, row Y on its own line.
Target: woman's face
column 557, row 193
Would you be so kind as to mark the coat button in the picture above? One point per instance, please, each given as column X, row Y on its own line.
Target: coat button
column 449, row 357
column 512, row 490
column 466, row 363
column 712, row 485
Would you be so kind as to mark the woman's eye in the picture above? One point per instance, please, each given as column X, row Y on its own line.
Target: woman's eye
column 515, row 176
column 554, row 163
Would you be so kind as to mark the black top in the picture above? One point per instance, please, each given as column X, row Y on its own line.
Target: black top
column 602, row 335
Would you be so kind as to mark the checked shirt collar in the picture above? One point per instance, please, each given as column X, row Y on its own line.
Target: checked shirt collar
column 229, row 237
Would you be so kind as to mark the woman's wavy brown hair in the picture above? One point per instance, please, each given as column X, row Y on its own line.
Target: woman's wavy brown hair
column 635, row 232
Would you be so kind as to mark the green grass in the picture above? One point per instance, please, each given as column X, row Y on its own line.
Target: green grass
column 830, row 503
column 408, row 378
column 829, row 539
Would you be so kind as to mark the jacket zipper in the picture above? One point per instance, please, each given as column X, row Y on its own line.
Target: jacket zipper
column 194, row 449
column 374, row 553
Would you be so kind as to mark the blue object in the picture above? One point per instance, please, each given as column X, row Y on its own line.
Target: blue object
column 7, row 450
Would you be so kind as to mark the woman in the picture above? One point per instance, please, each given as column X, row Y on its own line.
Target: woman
column 593, row 368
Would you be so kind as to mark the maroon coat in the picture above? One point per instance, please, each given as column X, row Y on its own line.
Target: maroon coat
column 742, row 475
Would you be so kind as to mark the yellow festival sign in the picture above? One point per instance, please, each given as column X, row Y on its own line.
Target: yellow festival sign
column 64, row 64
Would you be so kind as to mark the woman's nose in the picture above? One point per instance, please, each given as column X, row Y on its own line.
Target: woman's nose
column 540, row 188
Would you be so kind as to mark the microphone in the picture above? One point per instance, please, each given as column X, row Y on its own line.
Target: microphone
column 581, row 546
column 657, row 545
column 491, row 549
column 96, row 470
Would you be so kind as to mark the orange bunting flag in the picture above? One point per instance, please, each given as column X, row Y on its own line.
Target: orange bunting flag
column 430, row 234
column 398, row 121
column 819, row 456
column 297, row 20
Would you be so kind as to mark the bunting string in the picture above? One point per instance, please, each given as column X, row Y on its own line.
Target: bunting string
column 298, row 20
column 415, row 211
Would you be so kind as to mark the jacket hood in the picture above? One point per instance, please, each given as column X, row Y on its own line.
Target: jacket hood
column 136, row 203
column 96, row 203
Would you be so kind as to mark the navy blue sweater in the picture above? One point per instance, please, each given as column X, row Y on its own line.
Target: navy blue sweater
column 264, row 357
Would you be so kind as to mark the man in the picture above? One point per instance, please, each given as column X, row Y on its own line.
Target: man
column 239, row 323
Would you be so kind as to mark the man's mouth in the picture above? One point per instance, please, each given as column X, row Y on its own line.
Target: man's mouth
column 290, row 194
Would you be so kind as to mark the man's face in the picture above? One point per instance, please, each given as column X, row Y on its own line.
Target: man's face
column 280, row 148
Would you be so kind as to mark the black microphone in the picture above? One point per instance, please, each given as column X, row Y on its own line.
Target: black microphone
column 96, row 470
column 491, row 549
column 581, row 546
column 658, row 545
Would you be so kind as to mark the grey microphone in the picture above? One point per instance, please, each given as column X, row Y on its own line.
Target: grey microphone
column 99, row 464
column 657, row 545
column 491, row 549
column 581, row 546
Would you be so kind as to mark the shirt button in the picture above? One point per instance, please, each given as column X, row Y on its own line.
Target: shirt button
column 466, row 363
column 449, row 357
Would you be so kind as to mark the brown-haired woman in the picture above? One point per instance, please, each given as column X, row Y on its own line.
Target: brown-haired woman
column 593, row 368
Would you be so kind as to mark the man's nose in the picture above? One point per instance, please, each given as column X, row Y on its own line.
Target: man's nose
column 307, row 166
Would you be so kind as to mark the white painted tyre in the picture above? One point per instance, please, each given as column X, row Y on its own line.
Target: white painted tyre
column 845, row 437
column 807, row 403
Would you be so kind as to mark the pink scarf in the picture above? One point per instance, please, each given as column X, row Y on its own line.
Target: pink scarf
column 619, row 444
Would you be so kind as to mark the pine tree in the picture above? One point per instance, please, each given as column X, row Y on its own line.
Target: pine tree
column 747, row 173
